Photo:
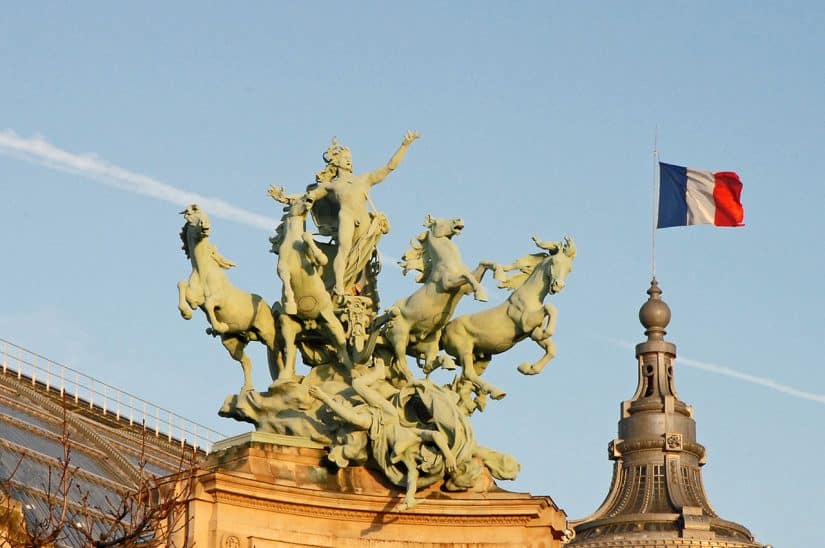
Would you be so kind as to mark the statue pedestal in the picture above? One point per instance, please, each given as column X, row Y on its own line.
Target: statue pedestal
column 256, row 493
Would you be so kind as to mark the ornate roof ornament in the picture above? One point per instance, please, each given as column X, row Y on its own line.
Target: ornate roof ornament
column 655, row 313
column 657, row 497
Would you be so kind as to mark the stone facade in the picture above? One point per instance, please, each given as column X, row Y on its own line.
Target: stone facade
column 259, row 494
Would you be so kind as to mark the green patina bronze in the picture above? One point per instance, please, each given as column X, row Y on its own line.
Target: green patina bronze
column 359, row 397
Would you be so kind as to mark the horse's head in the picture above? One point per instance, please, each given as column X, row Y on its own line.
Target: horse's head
column 432, row 245
column 560, row 262
column 443, row 228
column 196, row 226
column 302, row 205
column 196, row 218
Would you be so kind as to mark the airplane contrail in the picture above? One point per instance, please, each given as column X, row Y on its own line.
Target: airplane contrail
column 733, row 373
column 769, row 383
column 39, row 151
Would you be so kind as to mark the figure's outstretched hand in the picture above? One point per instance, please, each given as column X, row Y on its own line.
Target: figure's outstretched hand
column 276, row 193
column 409, row 137
column 316, row 392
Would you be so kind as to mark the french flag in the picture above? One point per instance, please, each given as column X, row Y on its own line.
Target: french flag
column 689, row 196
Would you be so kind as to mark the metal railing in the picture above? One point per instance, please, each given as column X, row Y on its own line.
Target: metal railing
column 88, row 391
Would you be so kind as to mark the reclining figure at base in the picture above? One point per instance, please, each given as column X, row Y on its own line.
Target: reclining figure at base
column 415, row 452
column 391, row 442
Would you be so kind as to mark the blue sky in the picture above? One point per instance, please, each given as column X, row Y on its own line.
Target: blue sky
column 535, row 118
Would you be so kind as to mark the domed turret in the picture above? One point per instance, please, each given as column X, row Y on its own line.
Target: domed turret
column 657, row 497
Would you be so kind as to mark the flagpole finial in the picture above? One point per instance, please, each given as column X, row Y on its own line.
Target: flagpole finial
column 655, row 313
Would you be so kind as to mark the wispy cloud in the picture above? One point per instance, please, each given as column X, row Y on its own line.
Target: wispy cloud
column 39, row 151
column 739, row 375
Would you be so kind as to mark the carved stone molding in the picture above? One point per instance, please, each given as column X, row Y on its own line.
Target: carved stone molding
column 673, row 441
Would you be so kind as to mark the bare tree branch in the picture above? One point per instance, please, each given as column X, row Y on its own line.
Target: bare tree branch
column 147, row 514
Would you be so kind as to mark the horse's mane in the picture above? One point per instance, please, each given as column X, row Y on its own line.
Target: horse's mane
column 183, row 238
column 525, row 265
column 278, row 238
column 221, row 261
column 417, row 258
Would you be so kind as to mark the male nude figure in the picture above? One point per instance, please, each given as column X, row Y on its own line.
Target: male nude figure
column 391, row 441
column 351, row 193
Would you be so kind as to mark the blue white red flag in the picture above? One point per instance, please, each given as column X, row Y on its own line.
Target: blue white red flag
column 689, row 196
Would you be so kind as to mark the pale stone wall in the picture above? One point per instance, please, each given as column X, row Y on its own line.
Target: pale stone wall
column 266, row 496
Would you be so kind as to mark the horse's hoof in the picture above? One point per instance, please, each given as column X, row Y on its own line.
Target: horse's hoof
column 497, row 394
column 186, row 315
column 481, row 296
column 246, row 389
column 526, row 369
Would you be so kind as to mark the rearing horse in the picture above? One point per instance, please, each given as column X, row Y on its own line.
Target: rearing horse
column 235, row 316
column 305, row 297
column 415, row 323
column 474, row 338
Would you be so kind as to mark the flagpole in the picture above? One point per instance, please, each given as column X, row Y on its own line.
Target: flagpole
column 655, row 201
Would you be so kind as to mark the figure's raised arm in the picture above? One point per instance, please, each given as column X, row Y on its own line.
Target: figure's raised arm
column 381, row 173
column 278, row 194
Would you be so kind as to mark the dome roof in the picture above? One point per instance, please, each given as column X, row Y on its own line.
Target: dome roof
column 657, row 497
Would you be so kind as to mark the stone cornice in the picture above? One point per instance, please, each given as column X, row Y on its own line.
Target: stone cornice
column 409, row 517
column 624, row 447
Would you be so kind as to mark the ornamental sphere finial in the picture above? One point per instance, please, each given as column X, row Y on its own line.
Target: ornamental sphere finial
column 655, row 313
